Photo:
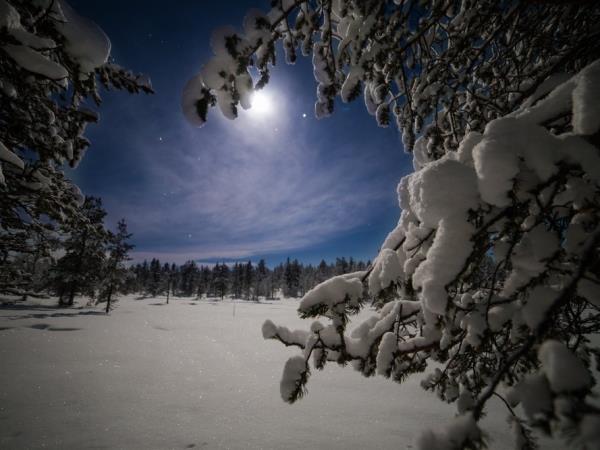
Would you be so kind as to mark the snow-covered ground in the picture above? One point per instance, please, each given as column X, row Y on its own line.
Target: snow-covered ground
column 190, row 374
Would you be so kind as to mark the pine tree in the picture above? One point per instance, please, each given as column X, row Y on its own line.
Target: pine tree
column 156, row 281
column 115, row 273
column 248, row 278
column 237, row 275
column 261, row 279
column 221, row 279
column 175, row 278
column 506, row 151
column 189, row 279
column 49, row 80
column 78, row 271
column 204, row 286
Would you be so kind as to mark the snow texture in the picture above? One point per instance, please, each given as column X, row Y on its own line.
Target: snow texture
column 458, row 432
column 7, row 156
column 540, row 300
column 533, row 393
column 189, row 99
column 294, row 370
column 386, row 270
column 86, row 43
column 332, row 292
column 440, row 195
column 564, row 371
column 35, row 62
column 208, row 371
column 529, row 257
column 270, row 330
column 385, row 355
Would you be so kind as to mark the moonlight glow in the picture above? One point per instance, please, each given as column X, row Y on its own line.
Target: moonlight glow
column 262, row 104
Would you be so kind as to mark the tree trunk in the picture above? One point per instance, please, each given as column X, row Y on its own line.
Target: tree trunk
column 72, row 291
column 108, row 298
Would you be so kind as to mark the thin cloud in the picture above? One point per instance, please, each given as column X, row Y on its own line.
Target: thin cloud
column 256, row 185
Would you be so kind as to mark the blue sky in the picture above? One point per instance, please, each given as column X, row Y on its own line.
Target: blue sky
column 271, row 184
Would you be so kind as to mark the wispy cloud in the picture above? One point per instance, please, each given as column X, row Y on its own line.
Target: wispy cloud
column 257, row 185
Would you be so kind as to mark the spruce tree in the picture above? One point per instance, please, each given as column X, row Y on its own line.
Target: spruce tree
column 156, row 280
column 221, row 279
column 50, row 81
column 115, row 272
column 79, row 270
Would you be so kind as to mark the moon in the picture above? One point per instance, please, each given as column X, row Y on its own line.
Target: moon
column 262, row 104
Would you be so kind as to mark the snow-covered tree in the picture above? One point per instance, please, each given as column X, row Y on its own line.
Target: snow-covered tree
column 52, row 63
column 189, row 279
column 156, row 283
column 261, row 281
column 114, row 273
column 79, row 270
column 291, row 278
column 221, row 279
column 493, row 272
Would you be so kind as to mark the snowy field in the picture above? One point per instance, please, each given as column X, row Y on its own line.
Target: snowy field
column 191, row 374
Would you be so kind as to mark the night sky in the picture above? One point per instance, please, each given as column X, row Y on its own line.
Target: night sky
column 275, row 183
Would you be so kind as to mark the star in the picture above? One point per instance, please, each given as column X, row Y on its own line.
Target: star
column 304, row 115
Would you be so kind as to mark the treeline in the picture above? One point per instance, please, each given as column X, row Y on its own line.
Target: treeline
column 82, row 257
column 238, row 280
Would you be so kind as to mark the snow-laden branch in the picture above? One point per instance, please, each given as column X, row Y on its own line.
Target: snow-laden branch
column 480, row 274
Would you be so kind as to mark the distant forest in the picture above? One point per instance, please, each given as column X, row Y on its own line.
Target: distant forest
column 238, row 280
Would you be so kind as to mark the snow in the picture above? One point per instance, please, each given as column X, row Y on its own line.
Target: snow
column 564, row 371
column 580, row 94
column 331, row 292
column 385, row 356
column 499, row 315
column 465, row 149
column 590, row 291
column 451, row 248
column 35, row 62
column 9, row 17
column 270, row 330
column 86, row 43
column 386, row 270
column 192, row 93
column 589, row 437
column 9, row 157
column 295, row 368
column 459, row 431
column 152, row 375
column 541, row 298
column 530, row 254
column 431, row 197
column 533, row 394
column 586, row 108
column 427, row 194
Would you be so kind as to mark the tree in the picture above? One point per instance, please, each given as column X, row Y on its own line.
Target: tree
column 78, row 271
column 157, row 281
column 221, row 279
column 496, row 100
column 237, row 275
column 204, row 286
column 261, row 279
column 291, row 275
column 189, row 278
column 115, row 273
column 52, row 63
column 248, row 277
